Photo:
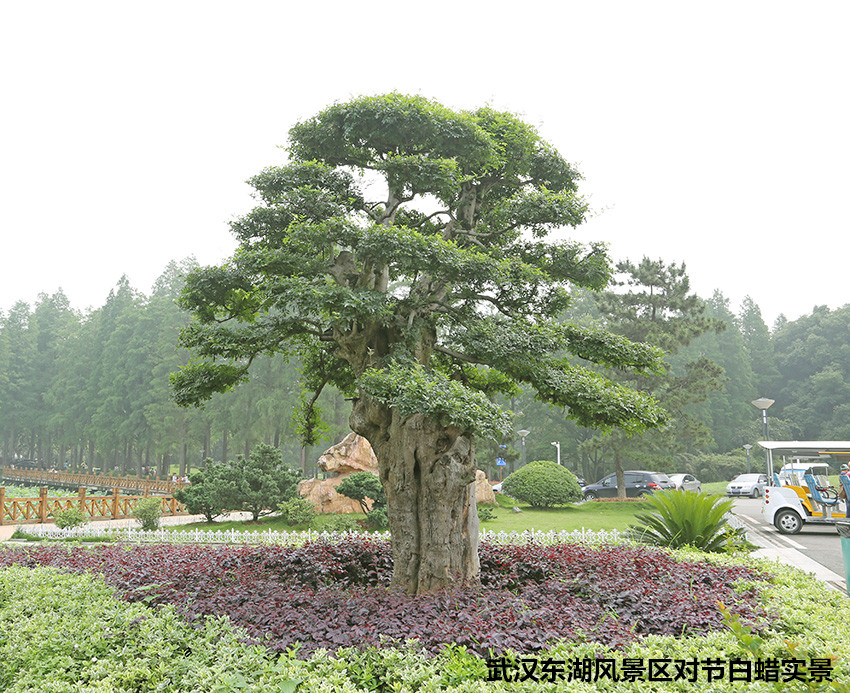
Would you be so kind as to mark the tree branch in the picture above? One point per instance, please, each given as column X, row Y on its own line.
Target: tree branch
column 456, row 355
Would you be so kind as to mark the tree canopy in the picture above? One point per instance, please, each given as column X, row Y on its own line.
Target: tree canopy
column 407, row 304
column 402, row 253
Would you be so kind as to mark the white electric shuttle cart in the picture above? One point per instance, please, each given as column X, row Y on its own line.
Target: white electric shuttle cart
column 800, row 491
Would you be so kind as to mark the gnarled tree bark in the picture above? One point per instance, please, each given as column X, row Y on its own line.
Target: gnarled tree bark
column 428, row 473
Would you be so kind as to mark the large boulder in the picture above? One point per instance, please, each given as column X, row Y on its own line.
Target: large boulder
column 352, row 454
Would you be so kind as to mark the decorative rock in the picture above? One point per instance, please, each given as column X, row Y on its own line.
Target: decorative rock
column 483, row 490
column 352, row 454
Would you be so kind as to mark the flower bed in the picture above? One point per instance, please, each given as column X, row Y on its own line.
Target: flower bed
column 530, row 594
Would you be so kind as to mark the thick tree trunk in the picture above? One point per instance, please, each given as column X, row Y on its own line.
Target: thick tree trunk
column 428, row 473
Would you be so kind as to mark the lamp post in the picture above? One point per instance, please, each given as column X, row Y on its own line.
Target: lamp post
column 764, row 403
column 748, row 447
column 523, row 433
column 558, row 448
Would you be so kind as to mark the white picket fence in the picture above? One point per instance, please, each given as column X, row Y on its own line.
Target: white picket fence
column 232, row 536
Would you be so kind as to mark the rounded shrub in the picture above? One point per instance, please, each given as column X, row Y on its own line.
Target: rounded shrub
column 543, row 484
column 70, row 517
column 297, row 511
column 148, row 512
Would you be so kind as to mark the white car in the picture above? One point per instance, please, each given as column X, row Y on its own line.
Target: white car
column 686, row 482
column 747, row 485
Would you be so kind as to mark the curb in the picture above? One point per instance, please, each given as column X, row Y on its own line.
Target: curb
column 771, row 550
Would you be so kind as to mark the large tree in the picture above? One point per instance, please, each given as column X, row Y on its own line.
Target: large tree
column 658, row 308
column 402, row 254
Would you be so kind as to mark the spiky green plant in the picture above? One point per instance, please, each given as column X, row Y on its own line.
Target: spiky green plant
column 684, row 518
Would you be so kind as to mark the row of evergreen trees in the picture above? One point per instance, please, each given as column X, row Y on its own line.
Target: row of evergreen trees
column 90, row 390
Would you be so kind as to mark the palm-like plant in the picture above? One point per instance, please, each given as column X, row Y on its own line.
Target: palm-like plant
column 684, row 518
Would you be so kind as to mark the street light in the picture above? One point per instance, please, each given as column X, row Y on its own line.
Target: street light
column 558, row 447
column 764, row 403
column 523, row 433
column 748, row 447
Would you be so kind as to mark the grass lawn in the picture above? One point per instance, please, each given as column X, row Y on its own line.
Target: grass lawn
column 716, row 487
column 594, row 516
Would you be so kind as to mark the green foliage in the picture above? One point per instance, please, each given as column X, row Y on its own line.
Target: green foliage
column 756, row 649
column 543, row 484
column 715, row 467
column 362, row 485
column 393, row 299
column 341, row 523
column 486, row 513
column 211, row 492
column 261, row 482
column 377, row 518
column 684, row 518
column 413, row 389
column 70, row 517
column 148, row 511
column 297, row 511
column 70, row 633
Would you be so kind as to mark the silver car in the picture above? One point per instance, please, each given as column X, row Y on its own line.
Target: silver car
column 747, row 485
column 686, row 482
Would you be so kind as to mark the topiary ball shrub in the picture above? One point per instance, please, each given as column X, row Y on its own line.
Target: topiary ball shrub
column 543, row 484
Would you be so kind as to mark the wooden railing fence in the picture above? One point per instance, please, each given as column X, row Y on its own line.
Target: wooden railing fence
column 45, row 509
column 74, row 480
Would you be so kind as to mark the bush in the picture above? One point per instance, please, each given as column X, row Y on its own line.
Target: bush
column 342, row 523
column 543, row 484
column 70, row 517
column 297, row 511
column 211, row 493
column 148, row 512
column 485, row 513
column 262, row 482
column 362, row 485
column 377, row 519
column 682, row 518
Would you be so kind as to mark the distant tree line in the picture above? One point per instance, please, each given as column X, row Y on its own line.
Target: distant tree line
column 89, row 390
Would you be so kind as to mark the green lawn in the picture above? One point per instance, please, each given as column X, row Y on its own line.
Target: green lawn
column 594, row 516
column 716, row 487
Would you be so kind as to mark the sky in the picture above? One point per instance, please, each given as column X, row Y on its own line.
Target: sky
column 714, row 134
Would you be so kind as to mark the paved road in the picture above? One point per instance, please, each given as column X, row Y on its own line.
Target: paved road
column 816, row 549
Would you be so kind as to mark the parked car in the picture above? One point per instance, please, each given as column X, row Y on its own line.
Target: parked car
column 747, row 485
column 686, row 482
column 637, row 484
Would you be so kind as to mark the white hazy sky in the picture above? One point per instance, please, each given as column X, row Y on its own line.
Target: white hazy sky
column 710, row 133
